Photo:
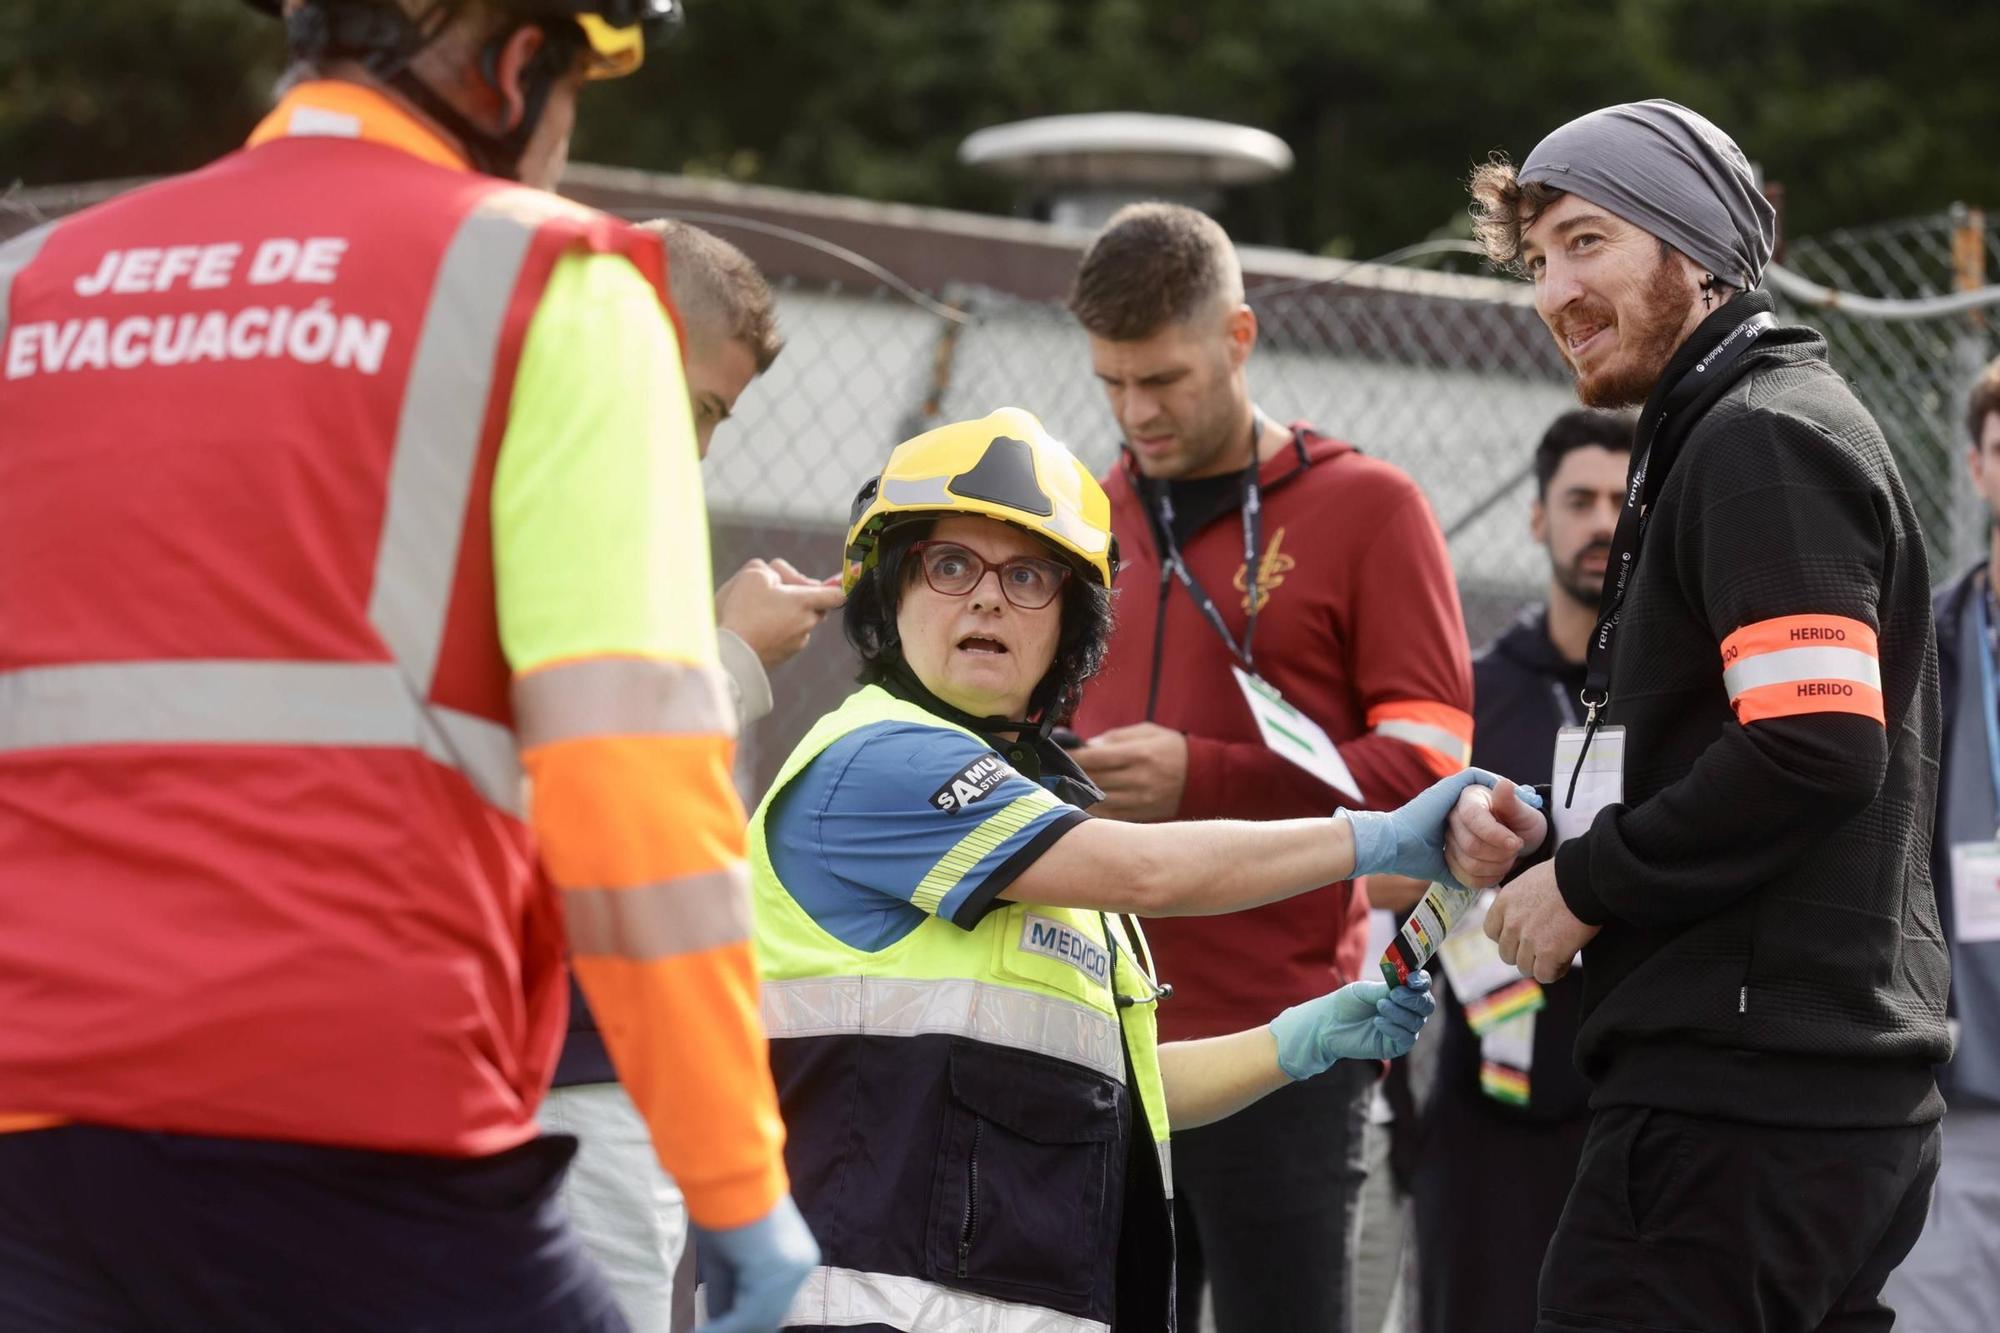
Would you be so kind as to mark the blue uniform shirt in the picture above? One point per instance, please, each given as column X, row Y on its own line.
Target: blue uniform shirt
column 896, row 821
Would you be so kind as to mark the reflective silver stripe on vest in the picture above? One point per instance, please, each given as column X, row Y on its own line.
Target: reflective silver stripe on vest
column 674, row 916
column 846, row 1297
column 621, row 696
column 364, row 705
column 1788, row 665
column 16, row 255
column 484, row 751
column 910, row 1007
column 1431, row 738
column 430, row 486
column 1166, row 1147
column 437, row 437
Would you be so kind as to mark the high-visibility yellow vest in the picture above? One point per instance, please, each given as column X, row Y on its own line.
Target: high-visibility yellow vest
column 958, row 1103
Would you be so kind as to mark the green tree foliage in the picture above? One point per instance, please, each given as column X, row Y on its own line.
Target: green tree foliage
column 99, row 89
column 1865, row 110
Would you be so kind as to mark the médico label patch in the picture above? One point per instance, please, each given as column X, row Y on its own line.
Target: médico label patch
column 1065, row 944
column 971, row 783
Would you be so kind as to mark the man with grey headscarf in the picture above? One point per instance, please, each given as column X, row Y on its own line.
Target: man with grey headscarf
column 1744, row 844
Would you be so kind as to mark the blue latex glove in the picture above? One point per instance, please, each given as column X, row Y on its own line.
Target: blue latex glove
column 1363, row 1020
column 1410, row 840
column 753, row 1271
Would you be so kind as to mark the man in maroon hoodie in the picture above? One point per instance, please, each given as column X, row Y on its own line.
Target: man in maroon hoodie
column 1349, row 610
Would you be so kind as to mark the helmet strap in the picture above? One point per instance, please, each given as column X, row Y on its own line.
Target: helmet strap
column 1025, row 745
column 383, row 41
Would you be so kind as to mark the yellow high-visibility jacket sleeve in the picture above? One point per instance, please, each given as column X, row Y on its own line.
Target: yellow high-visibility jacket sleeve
column 605, row 609
column 600, row 533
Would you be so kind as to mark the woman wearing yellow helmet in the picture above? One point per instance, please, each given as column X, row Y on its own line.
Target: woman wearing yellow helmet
column 958, row 995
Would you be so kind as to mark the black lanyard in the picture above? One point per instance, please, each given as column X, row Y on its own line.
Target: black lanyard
column 1649, row 473
column 1173, row 566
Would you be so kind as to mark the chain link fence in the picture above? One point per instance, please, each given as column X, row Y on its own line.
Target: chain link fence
column 1448, row 375
column 1452, row 378
column 1914, row 373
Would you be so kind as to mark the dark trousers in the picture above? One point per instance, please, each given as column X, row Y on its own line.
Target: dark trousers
column 1267, row 1207
column 1487, row 1188
column 1686, row 1224
column 117, row 1231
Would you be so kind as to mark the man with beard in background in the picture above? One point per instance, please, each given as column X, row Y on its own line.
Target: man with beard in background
column 1747, row 866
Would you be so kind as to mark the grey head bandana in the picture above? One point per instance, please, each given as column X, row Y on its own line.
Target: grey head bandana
column 1669, row 170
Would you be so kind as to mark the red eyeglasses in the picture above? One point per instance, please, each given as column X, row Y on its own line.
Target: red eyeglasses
column 954, row 570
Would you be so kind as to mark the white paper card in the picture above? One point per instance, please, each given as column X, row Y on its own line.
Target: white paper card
column 1975, row 891
column 1471, row 961
column 1290, row 733
column 1601, row 782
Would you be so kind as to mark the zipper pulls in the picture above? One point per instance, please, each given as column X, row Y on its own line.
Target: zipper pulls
column 971, row 1202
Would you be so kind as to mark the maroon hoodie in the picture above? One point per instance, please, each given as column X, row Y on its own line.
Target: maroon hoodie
column 1360, row 629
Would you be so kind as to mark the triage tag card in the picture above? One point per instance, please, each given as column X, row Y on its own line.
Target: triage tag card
column 1600, row 783
column 1289, row 732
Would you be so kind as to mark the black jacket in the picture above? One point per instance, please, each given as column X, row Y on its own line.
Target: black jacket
column 1771, row 949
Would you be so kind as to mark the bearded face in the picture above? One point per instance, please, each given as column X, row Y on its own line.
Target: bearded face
column 1618, row 302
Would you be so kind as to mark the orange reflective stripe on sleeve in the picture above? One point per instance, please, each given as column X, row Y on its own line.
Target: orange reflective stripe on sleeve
column 19, row 1122
column 614, row 812
column 1441, row 733
column 1791, row 665
column 688, row 1041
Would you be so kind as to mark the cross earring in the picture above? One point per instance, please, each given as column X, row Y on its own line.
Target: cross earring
column 1707, row 290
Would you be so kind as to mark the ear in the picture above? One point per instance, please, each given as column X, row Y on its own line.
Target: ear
column 1240, row 327
column 507, row 66
column 1975, row 463
column 1538, row 522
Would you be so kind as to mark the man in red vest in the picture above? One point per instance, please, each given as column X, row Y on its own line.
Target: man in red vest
column 355, row 656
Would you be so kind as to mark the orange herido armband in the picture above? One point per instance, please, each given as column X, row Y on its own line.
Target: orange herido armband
column 1793, row 665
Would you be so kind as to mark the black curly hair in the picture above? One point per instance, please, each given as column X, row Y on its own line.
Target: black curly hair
column 870, row 622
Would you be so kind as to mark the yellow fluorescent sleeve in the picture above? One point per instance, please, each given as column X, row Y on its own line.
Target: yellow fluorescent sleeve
column 600, row 534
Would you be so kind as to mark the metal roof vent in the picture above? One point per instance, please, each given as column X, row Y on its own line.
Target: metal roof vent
column 1079, row 170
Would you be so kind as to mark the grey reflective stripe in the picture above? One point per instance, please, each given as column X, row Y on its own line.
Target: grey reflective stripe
column 437, row 436
column 364, row 705
column 16, row 255
column 1789, row 665
column 1431, row 738
column 910, row 1007
column 1166, row 1147
column 621, row 696
column 847, row 1297
column 484, row 751
column 675, row 916
column 924, row 491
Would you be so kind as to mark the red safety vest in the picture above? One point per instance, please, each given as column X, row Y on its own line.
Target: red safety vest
column 263, row 867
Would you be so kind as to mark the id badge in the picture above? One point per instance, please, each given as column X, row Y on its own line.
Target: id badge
column 1975, row 891
column 1288, row 732
column 1601, row 781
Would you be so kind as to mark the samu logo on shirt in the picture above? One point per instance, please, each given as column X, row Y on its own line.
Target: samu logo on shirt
column 1053, row 939
column 971, row 783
